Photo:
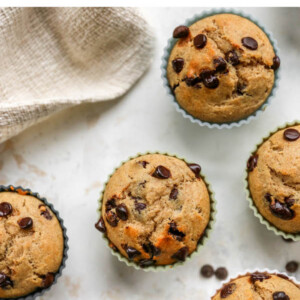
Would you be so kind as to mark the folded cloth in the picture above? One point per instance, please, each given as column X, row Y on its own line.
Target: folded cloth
column 53, row 58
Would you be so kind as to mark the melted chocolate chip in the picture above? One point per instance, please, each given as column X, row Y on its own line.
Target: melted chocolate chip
column 161, row 172
column 174, row 193
column 178, row 64
column 144, row 263
column 292, row 266
column 249, row 43
column 192, row 81
column 181, row 254
column 48, row 280
column 227, row 290
column 5, row 209
column 259, row 277
column 45, row 212
column 207, row 271
column 177, row 234
column 100, row 225
column 281, row 210
column 112, row 219
column 122, row 212
column 210, row 81
column 220, row 64
column 131, row 252
column 25, row 223
column 5, row 281
column 252, row 162
column 151, row 249
column 139, row 206
column 276, row 63
column 144, row 163
column 291, row 134
column 200, row 41
column 110, row 204
column 221, row 273
column 196, row 169
column 232, row 58
column 181, row 32
column 280, row 296
column 289, row 201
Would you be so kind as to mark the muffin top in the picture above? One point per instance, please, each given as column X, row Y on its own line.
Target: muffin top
column 31, row 247
column 274, row 179
column 155, row 209
column 222, row 68
column 258, row 286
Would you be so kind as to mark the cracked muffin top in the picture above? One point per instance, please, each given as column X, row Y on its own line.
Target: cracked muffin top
column 259, row 286
column 31, row 247
column 155, row 209
column 274, row 179
column 222, row 68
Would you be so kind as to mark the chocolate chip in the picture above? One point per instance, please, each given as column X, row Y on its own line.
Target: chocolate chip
column 192, row 81
column 131, row 252
column 174, row 193
column 232, row 57
column 220, row 64
column 5, row 281
column 292, row 266
column 250, row 43
column 100, row 225
column 281, row 210
column 48, row 280
column 268, row 197
column 181, row 254
column 161, row 172
column 289, row 201
column 200, row 41
column 221, row 273
column 259, row 277
column 291, row 134
column 276, row 63
column 151, row 249
column 110, row 204
column 280, row 296
column 122, row 212
column 25, row 223
column 45, row 212
column 139, row 206
column 252, row 162
column 144, row 163
column 227, row 290
column 178, row 64
column 196, row 169
column 144, row 263
column 177, row 234
column 181, row 32
column 5, row 209
column 209, row 80
column 207, row 271
column 112, row 219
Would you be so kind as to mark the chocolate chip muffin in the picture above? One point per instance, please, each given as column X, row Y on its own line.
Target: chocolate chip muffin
column 32, row 243
column 274, row 179
column 221, row 69
column 259, row 286
column 155, row 210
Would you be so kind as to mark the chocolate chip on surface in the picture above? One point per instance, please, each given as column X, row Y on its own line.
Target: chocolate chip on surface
column 122, row 212
column 292, row 266
column 45, row 212
column 200, row 41
column 25, row 223
column 144, row 163
column 131, row 252
column 5, row 281
column 252, row 162
column 249, row 43
column 139, row 206
column 181, row 32
column 291, row 134
column 112, row 219
column 151, row 249
column 181, row 254
column 259, row 277
column 227, row 290
column 211, row 81
column 177, row 234
column 280, row 296
column 276, row 63
column 281, row 210
column 110, row 204
column 192, row 81
column 178, row 64
column 174, row 193
column 48, row 279
column 100, row 225
column 5, row 209
column 232, row 58
column 207, row 271
column 220, row 64
column 196, row 169
column 161, row 172
column 221, row 273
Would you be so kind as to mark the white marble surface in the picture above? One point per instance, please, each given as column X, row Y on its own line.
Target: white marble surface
column 68, row 158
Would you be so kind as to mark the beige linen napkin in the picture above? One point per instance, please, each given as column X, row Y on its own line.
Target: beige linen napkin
column 53, row 58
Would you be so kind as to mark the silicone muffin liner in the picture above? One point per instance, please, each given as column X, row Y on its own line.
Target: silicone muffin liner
column 184, row 113
column 249, row 272
column 205, row 235
column 262, row 220
column 22, row 191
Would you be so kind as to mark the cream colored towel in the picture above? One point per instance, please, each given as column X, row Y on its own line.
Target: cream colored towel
column 53, row 58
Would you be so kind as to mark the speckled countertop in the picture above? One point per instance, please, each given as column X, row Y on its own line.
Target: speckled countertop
column 68, row 158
